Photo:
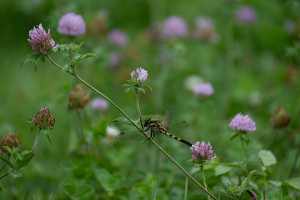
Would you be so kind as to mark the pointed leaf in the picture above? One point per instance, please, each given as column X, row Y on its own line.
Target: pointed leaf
column 127, row 85
column 83, row 56
column 65, row 68
column 234, row 135
column 83, row 189
column 70, row 189
column 246, row 180
column 7, row 162
column 25, row 152
column 128, row 89
column 22, row 163
column 141, row 89
column 33, row 128
column 28, row 120
column 15, row 174
column 8, row 149
column 79, row 46
column 43, row 59
column 28, row 58
column 36, row 61
column 49, row 139
column 267, row 157
column 220, row 189
column 147, row 86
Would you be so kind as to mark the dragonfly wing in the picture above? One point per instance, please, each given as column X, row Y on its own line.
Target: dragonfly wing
column 134, row 135
column 122, row 125
column 166, row 119
column 177, row 128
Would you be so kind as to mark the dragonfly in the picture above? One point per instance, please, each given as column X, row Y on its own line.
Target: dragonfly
column 156, row 126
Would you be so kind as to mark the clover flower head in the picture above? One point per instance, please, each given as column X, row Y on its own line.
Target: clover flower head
column 71, row 24
column 41, row 41
column 246, row 14
column 9, row 140
column 139, row 75
column 99, row 104
column 202, row 152
column 118, row 38
column 78, row 99
column 243, row 123
column 43, row 119
column 175, row 27
column 204, row 89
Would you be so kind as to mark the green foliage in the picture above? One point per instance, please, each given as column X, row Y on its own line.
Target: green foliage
column 109, row 182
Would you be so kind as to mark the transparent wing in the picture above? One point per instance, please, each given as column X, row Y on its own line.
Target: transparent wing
column 127, row 130
column 134, row 135
column 166, row 119
column 177, row 128
column 122, row 125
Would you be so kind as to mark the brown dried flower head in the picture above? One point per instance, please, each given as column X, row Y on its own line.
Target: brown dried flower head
column 279, row 118
column 9, row 140
column 43, row 119
column 78, row 99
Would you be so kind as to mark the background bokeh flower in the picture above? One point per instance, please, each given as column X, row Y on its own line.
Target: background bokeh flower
column 71, row 24
column 175, row 27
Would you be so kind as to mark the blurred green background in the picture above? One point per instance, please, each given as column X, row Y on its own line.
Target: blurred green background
column 248, row 68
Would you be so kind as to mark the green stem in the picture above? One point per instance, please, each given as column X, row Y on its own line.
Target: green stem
column 244, row 158
column 139, row 128
column 36, row 140
column 87, row 153
column 202, row 171
column 1, row 177
column 295, row 161
column 138, row 107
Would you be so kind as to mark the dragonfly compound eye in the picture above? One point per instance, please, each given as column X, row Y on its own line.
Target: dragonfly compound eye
column 147, row 121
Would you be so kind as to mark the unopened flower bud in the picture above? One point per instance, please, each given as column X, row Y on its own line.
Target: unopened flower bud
column 9, row 140
column 43, row 119
column 78, row 99
column 279, row 118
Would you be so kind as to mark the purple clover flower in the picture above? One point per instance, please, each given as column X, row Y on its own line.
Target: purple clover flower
column 118, row 38
column 204, row 89
column 175, row 27
column 243, row 123
column 205, row 30
column 246, row 14
column 139, row 75
column 202, row 152
column 40, row 41
column 99, row 104
column 71, row 24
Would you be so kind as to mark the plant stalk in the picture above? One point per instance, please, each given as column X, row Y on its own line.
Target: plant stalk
column 36, row 141
column 139, row 128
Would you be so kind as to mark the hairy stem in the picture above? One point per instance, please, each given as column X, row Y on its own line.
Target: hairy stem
column 139, row 128
column 202, row 171
column 138, row 107
column 36, row 140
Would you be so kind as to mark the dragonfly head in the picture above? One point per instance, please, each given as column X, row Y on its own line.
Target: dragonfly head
column 147, row 121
